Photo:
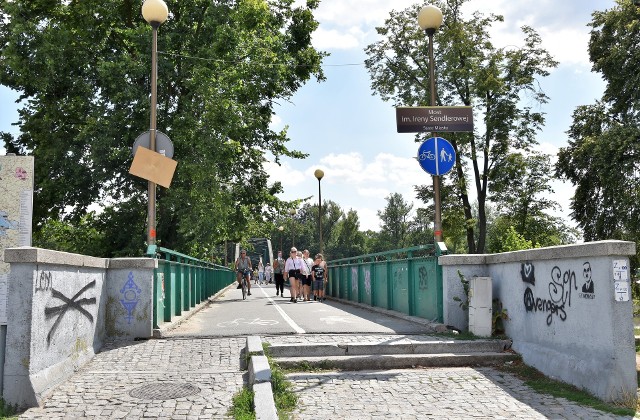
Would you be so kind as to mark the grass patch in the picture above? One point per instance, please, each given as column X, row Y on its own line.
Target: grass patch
column 283, row 396
column 242, row 408
column 323, row 366
column 540, row 383
column 7, row 411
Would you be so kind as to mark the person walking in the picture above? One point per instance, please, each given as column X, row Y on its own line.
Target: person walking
column 293, row 268
column 306, row 280
column 260, row 271
column 278, row 268
column 268, row 273
column 320, row 277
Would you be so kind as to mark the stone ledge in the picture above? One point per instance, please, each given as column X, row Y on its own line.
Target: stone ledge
column 27, row 255
column 259, row 370
column 133, row 263
column 254, row 346
column 589, row 249
column 263, row 403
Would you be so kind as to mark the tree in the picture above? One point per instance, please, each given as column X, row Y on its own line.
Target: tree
column 83, row 70
column 603, row 156
column 349, row 241
column 520, row 186
column 470, row 71
column 395, row 221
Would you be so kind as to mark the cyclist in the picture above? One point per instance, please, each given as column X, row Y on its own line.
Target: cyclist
column 243, row 268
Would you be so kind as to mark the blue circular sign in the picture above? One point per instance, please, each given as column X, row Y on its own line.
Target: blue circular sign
column 436, row 156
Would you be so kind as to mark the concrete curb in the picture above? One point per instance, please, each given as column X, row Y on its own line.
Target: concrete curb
column 168, row 326
column 260, row 380
column 436, row 326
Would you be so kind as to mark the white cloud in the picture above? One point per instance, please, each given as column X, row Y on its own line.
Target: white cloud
column 289, row 177
column 373, row 192
column 337, row 40
column 368, row 218
column 276, row 122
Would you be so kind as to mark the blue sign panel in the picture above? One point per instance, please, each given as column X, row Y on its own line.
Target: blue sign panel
column 436, row 156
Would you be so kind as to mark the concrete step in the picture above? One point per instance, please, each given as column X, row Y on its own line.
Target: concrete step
column 395, row 361
column 415, row 348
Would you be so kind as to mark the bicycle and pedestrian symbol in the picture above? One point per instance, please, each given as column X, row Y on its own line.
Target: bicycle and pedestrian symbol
column 436, row 156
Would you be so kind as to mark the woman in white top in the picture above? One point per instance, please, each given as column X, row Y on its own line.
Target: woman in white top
column 293, row 268
column 306, row 281
column 260, row 271
column 268, row 273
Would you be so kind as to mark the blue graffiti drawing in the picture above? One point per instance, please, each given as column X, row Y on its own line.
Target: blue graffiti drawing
column 130, row 296
column 6, row 224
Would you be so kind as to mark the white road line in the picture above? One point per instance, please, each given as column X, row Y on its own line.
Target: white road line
column 284, row 315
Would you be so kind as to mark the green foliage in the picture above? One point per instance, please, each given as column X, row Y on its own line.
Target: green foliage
column 395, row 222
column 242, row 405
column 80, row 238
column 283, row 396
column 463, row 303
column 511, row 240
column 498, row 316
column 83, row 69
column 540, row 383
column 7, row 410
column 470, row 70
column 601, row 160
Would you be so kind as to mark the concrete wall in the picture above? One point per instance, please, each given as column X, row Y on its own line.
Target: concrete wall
column 566, row 317
column 61, row 309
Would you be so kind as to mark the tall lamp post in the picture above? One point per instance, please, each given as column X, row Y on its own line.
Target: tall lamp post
column 430, row 19
column 281, row 228
column 319, row 173
column 292, row 212
column 155, row 12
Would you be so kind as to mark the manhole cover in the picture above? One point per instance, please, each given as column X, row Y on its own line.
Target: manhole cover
column 162, row 391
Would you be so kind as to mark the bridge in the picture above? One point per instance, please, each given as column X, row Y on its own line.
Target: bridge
column 141, row 323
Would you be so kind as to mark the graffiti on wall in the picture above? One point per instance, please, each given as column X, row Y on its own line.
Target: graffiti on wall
column 423, row 283
column 560, row 289
column 528, row 273
column 354, row 280
column 130, row 296
column 367, row 281
column 43, row 283
column 587, row 286
column 73, row 303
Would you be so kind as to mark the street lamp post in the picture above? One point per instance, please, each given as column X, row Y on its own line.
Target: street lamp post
column 155, row 12
column 281, row 228
column 430, row 19
column 292, row 212
column 319, row 173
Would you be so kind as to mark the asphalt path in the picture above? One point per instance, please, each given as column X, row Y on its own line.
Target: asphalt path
column 264, row 313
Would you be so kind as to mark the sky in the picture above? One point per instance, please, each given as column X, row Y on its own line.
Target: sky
column 351, row 134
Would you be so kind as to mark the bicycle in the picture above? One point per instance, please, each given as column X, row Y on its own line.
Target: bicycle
column 427, row 155
column 243, row 282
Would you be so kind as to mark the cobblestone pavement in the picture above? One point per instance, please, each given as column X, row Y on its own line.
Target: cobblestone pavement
column 421, row 393
column 207, row 368
column 110, row 385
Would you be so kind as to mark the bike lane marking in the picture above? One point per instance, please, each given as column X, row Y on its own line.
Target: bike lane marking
column 284, row 315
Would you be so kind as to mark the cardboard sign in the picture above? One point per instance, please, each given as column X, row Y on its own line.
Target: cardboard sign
column 153, row 167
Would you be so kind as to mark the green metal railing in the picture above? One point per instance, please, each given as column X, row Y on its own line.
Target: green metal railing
column 406, row 280
column 181, row 282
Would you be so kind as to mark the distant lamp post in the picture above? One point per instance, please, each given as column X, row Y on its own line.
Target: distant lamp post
column 430, row 19
column 155, row 12
column 319, row 173
column 292, row 212
column 280, row 228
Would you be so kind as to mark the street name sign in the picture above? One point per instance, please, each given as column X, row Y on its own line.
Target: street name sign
column 436, row 156
column 447, row 119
